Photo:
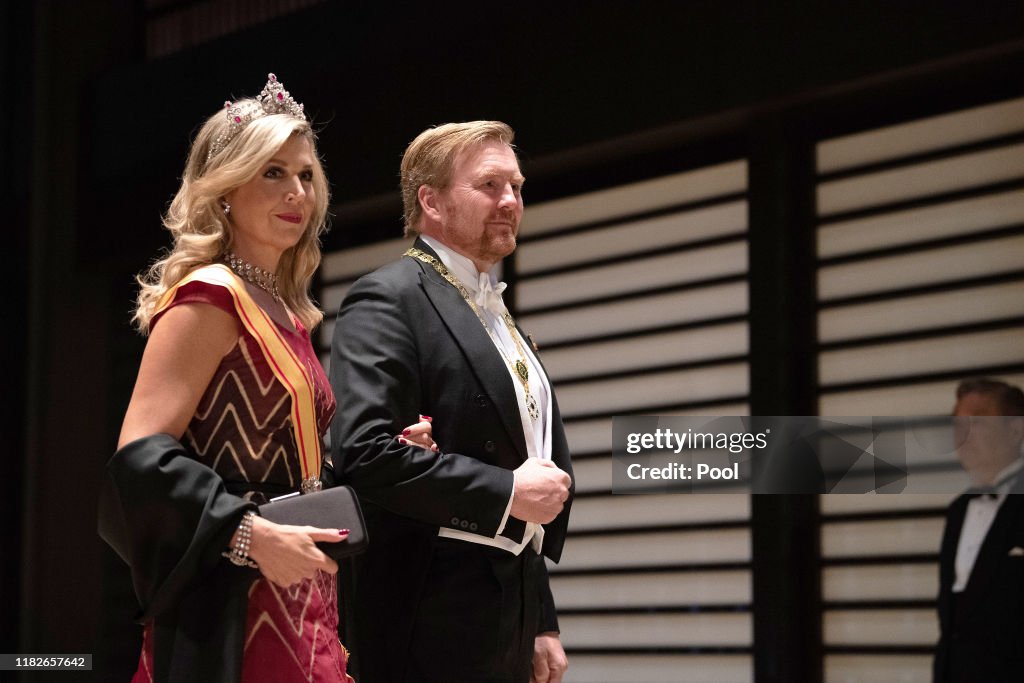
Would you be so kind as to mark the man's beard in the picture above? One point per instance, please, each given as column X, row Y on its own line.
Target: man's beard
column 486, row 247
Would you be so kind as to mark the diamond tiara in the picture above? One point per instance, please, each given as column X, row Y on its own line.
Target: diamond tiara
column 273, row 99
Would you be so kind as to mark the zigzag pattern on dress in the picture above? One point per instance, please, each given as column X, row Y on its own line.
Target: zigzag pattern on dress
column 242, row 426
column 296, row 628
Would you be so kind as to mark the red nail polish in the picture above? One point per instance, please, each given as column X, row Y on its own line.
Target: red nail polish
column 406, row 432
column 427, row 418
column 343, row 532
column 402, row 440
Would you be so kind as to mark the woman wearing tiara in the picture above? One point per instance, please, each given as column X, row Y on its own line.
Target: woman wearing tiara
column 228, row 411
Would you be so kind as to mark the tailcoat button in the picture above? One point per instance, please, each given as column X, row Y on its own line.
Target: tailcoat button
column 490, row 446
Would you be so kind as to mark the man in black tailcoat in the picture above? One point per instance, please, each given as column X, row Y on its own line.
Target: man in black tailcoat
column 981, row 565
column 454, row 585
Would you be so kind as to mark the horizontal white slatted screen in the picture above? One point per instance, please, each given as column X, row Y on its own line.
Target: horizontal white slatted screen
column 637, row 296
column 920, row 247
column 861, row 669
column 340, row 269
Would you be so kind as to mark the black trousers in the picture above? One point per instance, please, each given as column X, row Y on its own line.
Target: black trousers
column 478, row 618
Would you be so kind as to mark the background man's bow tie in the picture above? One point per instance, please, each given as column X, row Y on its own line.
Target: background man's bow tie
column 981, row 492
column 992, row 491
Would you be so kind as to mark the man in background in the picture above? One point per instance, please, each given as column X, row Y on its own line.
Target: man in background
column 981, row 563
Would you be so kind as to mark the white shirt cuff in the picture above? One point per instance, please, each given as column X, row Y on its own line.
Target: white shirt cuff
column 508, row 508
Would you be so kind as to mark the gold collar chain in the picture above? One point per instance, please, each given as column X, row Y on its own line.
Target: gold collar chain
column 520, row 367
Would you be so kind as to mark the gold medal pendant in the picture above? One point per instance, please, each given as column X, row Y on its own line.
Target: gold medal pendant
column 531, row 403
column 524, row 372
column 531, row 406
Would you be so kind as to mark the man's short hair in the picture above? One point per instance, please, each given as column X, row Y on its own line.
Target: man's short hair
column 1010, row 398
column 430, row 159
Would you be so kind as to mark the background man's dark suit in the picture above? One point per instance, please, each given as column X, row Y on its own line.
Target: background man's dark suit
column 407, row 343
column 982, row 628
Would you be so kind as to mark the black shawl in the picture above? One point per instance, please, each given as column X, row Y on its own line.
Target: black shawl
column 169, row 517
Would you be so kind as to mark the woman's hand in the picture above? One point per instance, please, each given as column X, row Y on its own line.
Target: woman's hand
column 288, row 554
column 419, row 434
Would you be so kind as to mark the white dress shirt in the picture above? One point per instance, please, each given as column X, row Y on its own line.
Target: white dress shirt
column 486, row 291
column 981, row 512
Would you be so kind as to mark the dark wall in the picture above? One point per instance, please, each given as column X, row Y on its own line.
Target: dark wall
column 565, row 75
column 599, row 93
column 15, row 126
column 62, row 354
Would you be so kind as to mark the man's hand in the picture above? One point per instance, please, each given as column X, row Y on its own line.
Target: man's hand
column 549, row 660
column 541, row 490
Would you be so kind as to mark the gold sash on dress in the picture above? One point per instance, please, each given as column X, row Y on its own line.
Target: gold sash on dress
column 286, row 366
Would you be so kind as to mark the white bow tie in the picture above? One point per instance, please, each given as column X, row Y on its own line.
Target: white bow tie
column 488, row 297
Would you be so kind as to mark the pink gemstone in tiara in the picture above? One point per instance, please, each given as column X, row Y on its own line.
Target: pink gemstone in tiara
column 273, row 99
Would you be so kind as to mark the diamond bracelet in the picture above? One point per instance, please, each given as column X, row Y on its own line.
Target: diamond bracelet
column 239, row 553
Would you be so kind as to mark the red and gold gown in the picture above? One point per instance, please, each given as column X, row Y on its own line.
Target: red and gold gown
column 242, row 430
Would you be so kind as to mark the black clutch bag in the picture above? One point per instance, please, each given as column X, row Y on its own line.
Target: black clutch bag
column 333, row 508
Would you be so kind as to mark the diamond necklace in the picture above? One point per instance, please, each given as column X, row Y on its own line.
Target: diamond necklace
column 254, row 275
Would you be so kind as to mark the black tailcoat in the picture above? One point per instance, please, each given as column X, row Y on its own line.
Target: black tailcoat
column 407, row 343
column 982, row 628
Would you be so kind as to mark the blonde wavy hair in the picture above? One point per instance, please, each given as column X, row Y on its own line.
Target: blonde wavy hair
column 202, row 232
